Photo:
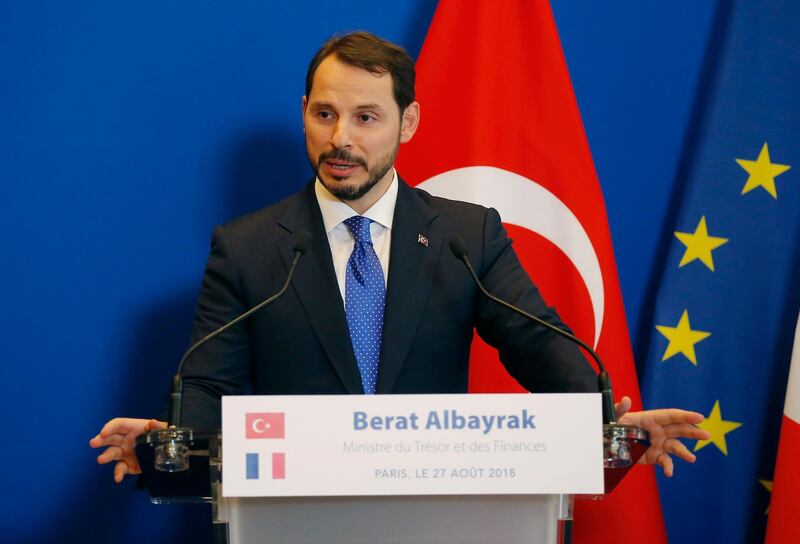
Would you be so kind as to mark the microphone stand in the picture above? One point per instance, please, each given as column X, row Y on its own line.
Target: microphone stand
column 172, row 444
column 623, row 445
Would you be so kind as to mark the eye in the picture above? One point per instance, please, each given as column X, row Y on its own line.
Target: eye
column 324, row 115
column 366, row 117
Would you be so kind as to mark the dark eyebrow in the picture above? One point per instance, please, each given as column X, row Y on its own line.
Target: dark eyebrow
column 319, row 105
column 328, row 105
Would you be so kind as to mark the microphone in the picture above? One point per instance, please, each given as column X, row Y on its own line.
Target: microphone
column 460, row 252
column 302, row 240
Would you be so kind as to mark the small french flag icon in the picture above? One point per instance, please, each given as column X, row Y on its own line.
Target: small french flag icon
column 278, row 466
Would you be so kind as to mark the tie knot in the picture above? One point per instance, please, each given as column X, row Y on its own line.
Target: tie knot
column 358, row 225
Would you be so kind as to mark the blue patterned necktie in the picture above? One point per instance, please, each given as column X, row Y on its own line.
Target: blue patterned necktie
column 364, row 296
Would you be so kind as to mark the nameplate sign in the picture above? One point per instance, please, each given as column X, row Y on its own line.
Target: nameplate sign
column 281, row 446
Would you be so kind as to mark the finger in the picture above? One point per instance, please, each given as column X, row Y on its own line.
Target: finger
column 120, row 470
column 623, row 406
column 665, row 462
column 679, row 448
column 111, row 427
column 667, row 416
column 113, row 440
column 686, row 430
column 112, row 453
column 155, row 424
column 123, row 425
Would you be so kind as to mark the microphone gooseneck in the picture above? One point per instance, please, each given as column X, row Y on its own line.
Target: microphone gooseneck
column 459, row 250
column 302, row 240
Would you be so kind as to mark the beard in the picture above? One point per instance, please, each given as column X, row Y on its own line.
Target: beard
column 375, row 173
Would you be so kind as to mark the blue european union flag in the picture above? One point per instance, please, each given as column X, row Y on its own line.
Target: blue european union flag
column 251, row 466
column 727, row 302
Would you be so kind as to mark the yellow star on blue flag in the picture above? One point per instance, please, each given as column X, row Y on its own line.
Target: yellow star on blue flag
column 762, row 172
column 699, row 245
column 717, row 428
column 682, row 338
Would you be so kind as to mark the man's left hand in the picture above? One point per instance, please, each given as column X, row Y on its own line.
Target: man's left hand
column 665, row 427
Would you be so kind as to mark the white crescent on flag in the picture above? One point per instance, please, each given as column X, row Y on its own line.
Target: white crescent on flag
column 260, row 426
column 523, row 202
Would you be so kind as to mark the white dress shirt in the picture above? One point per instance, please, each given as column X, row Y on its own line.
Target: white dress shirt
column 334, row 212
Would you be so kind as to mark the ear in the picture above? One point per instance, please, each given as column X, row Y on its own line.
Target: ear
column 304, row 106
column 409, row 122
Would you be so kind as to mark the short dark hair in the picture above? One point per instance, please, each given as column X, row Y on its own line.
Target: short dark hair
column 373, row 54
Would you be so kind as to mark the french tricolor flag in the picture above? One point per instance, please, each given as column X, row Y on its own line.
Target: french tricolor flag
column 784, row 524
column 253, row 463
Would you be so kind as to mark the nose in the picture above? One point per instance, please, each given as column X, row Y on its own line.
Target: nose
column 340, row 137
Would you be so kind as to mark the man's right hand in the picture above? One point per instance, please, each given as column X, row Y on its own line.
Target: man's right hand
column 119, row 438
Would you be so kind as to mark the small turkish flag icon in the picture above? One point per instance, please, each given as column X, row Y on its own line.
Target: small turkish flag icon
column 265, row 425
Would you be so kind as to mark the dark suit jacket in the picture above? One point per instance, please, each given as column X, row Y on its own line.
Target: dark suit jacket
column 301, row 345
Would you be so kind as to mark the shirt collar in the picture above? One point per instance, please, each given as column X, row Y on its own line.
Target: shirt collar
column 334, row 211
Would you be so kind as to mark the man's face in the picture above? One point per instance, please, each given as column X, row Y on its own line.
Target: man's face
column 353, row 129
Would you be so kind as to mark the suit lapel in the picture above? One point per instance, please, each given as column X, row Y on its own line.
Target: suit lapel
column 316, row 287
column 411, row 270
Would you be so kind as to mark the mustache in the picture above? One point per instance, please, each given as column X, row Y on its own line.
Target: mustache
column 342, row 155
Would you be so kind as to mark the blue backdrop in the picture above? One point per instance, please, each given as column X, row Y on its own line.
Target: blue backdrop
column 128, row 130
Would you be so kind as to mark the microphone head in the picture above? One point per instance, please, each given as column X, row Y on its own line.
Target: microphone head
column 302, row 240
column 458, row 248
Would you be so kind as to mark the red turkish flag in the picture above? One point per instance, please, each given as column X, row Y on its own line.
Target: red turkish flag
column 265, row 425
column 500, row 126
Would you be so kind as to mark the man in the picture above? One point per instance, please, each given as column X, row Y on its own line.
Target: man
column 378, row 303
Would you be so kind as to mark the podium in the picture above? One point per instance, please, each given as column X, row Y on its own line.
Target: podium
column 374, row 519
